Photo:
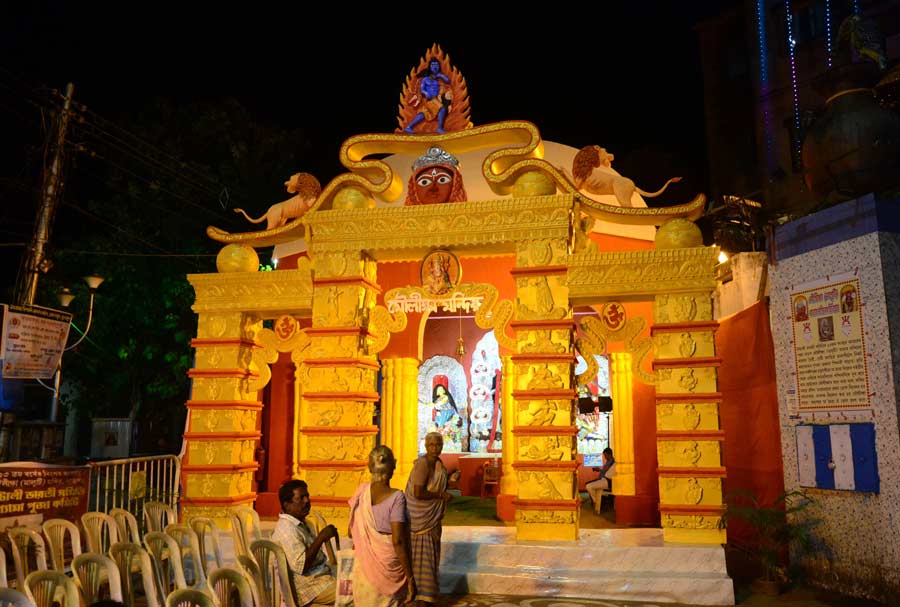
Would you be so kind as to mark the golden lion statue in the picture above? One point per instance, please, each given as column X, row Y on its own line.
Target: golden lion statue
column 306, row 189
column 592, row 172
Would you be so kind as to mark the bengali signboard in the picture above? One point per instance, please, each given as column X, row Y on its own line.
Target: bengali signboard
column 829, row 345
column 32, row 341
column 31, row 492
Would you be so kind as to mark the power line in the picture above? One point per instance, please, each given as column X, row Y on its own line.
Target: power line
column 122, row 148
column 119, row 229
column 123, row 254
column 93, row 130
column 141, row 147
column 100, row 129
column 153, row 185
column 100, row 120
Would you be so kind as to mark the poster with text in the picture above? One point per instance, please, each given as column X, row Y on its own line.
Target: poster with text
column 829, row 346
column 32, row 342
column 31, row 492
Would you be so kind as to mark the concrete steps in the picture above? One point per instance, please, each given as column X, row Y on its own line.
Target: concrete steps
column 623, row 564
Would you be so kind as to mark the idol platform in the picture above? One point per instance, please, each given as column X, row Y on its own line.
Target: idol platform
column 622, row 564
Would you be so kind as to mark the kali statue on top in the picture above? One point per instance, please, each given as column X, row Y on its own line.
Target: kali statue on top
column 434, row 98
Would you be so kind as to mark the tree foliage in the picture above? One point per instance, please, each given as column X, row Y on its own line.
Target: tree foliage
column 135, row 211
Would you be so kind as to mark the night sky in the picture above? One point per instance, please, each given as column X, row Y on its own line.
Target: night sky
column 627, row 78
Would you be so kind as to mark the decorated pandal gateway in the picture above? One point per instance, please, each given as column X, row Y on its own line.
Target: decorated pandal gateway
column 473, row 280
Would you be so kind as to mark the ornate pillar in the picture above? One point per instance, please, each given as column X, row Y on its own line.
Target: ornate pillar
column 399, row 414
column 689, row 437
column 222, row 433
column 621, row 380
column 508, row 484
column 547, row 505
column 338, row 376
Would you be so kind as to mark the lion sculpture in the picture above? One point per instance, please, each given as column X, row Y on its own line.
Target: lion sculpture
column 306, row 190
column 592, row 172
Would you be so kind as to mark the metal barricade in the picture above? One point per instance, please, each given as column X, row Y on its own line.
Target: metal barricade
column 131, row 482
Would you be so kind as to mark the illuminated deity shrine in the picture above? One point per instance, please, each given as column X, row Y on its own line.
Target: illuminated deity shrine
column 477, row 281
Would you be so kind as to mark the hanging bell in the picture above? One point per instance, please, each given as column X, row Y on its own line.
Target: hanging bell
column 460, row 347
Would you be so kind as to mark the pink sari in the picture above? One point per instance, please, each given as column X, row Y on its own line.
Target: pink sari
column 374, row 553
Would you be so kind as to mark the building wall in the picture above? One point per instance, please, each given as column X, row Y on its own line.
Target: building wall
column 750, row 119
column 861, row 529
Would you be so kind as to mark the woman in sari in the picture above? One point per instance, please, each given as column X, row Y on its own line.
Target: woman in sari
column 382, row 575
column 426, row 498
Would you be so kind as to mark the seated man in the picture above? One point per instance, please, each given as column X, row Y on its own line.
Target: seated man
column 313, row 580
column 596, row 488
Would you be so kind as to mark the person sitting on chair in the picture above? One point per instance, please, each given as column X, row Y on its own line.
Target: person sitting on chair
column 596, row 488
column 313, row 580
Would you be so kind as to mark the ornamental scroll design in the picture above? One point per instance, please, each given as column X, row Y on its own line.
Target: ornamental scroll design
column 595, row 336
column 381, row 324
column 515, row 145
column 286, row 336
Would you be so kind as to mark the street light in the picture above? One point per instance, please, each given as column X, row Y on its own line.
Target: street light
column 65, row 297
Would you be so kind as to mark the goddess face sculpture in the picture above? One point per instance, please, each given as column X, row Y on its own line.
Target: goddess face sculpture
column 435, row 179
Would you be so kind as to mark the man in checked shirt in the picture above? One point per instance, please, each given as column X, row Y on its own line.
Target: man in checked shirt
column 313, row 580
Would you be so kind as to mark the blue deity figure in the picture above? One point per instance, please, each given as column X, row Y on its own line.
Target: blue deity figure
column 434, row 102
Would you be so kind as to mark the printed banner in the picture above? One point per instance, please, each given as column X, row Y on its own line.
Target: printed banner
column 829, row 349
column 32, row 341
column 32, row 492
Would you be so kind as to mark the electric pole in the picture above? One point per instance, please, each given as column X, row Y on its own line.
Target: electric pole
column 51, row 187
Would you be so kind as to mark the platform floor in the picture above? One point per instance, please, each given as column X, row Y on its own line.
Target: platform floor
column 473, row 512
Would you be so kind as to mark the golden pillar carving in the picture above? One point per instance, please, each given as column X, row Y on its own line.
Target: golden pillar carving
column 547, row 505
column 399, row 414
column 689, row 437
column 338, row 375
column 621, row 381
column 508, row 484
column 222, row 435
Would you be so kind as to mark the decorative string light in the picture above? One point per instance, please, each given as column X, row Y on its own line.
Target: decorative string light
column 761, row 33
column 828, row 32
column 856, row 9
column 792, row 42
column 764, row 79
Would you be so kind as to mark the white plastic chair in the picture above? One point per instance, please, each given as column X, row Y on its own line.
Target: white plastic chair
column 208, row 537
column 275, row 575
column 188, row 597
column 128, row 556
column 318, row 522
column 23, row 542
column 126, row 525
column 251, row 571
column 90, row 570
column 100, row 531
column 55, row 530
column 224, row 582
column 14, row 598
column 3, row 582
column 44, row 588
column 245, row 528
column 157, row 515
column 166, row 557
column 191, row 557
